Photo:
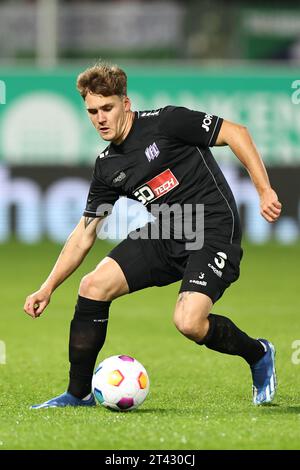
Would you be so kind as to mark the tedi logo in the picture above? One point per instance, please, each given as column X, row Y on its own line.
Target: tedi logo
column 157, row 187
column 207, row 121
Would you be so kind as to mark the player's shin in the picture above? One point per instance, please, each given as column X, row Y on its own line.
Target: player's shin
column 225, row 337
column 87, row 336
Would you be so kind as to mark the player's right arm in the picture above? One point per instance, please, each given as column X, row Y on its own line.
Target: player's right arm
column 73, row 253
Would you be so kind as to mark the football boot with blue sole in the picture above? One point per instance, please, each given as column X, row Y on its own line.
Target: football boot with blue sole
column 66, row 399
column 264, row 375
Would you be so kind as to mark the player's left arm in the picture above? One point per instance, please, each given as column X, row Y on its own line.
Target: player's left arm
column 239, row 140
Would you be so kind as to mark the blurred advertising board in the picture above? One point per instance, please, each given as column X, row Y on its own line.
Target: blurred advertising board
column 43, row 119
column 267, row 32
column 39, row 202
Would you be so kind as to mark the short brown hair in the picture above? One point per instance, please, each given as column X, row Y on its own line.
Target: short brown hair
column 102, row 79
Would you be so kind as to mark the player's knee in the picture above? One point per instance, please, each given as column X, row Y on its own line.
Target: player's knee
column 193, row 327
column 96, row 287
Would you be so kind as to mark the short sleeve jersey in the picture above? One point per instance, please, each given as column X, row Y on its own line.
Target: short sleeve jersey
column 166, row 159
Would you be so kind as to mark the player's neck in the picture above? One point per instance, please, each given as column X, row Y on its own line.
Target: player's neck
column 127, row 127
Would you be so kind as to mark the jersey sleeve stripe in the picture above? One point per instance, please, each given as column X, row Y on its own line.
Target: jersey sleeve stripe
column 217, row 186
column 213, row 132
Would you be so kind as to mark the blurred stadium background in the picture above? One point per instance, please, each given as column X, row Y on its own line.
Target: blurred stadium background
column 240, row 61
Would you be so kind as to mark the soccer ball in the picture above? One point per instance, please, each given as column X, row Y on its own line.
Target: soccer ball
column 120, row 383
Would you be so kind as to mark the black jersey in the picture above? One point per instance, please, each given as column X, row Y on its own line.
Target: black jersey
column 165, row 159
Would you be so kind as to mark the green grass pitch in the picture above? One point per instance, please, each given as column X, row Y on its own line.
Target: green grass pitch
column 198, row 399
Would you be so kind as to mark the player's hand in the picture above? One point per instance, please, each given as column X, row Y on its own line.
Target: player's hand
column 270, row 207
column 36, row 303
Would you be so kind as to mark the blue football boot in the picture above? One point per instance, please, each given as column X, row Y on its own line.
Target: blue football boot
column 264, row 375
column 66, row 399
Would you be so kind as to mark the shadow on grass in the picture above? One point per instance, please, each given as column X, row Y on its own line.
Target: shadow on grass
column 147, row 411
column 267, row 409
column 150, row 411
column 270, row 408
column 279, row 409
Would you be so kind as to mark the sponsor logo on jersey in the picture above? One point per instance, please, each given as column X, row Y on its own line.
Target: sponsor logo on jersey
column 119, row 178
column 215, row 270
column 156, row 187
column 152, row 152
column 220, row 261
column 199, row 282
column 150, row 113
column 207, row 122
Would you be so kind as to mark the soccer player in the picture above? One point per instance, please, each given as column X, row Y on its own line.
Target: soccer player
column 160, row 157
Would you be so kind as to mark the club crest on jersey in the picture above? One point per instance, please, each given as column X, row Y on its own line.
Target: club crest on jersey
column 156, row 187
column 152, row 152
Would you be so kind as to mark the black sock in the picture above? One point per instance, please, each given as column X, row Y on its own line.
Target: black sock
column 224, row 336
column 87, row 336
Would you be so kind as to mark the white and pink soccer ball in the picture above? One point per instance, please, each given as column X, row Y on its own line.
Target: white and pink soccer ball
column 120, row 383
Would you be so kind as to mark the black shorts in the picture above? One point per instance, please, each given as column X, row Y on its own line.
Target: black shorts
column 157, row 262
